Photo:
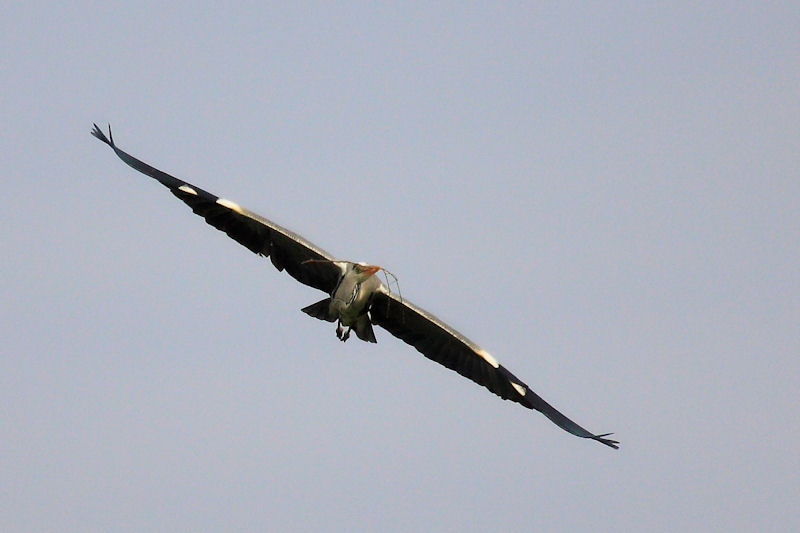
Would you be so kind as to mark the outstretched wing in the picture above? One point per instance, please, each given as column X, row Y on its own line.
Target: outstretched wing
column 441, row 343
column 303, row 260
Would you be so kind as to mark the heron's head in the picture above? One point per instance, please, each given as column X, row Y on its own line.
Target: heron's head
column 364, row 271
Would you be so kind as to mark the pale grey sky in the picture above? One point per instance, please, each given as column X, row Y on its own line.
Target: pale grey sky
column 605, row 196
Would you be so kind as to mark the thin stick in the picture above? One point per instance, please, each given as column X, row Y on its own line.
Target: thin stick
column 396, row 282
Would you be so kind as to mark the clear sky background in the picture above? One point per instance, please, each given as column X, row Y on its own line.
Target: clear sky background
column 605, row 196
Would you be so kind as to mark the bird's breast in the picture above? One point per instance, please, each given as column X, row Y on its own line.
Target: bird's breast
column 349, row 300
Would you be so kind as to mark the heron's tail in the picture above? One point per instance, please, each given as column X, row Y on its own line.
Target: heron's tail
column 321, row 310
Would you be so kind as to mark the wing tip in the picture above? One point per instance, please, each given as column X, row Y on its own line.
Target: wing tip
column 608, row 442
column 97, row 132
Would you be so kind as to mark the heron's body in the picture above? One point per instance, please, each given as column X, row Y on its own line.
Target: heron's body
column 356, row 297
column 349, row 301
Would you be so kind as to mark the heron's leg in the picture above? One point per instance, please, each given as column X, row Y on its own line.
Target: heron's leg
column 342, row 333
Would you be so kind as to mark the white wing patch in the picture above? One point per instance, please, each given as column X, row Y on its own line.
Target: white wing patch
column 233, row 206
column 187, row 189
column 487, row 357
column 520, row 389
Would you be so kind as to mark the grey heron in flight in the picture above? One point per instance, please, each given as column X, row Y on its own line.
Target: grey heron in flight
column 357, row 298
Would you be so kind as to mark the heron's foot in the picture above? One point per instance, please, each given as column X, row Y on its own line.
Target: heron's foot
column 342, row 333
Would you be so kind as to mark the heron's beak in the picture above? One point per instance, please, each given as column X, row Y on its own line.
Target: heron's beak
column 371, row 269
